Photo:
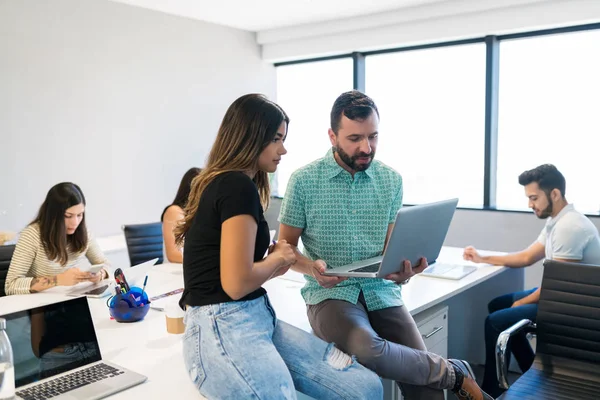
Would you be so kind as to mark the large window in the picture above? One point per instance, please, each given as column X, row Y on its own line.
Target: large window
column 306, row 92
column 432, row 103
column 548, row 113
column 432, row 107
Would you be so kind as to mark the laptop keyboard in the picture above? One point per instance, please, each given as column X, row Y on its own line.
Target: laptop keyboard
column 72, row 381
column 368, row 268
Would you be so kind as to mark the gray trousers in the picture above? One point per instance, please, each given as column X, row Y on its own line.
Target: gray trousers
column 386, row 341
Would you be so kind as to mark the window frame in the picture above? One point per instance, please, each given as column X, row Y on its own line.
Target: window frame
column 492, row 80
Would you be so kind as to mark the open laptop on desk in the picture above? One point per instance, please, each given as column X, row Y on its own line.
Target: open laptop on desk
column 419, row 231
column 59, row 357
column 134, row 275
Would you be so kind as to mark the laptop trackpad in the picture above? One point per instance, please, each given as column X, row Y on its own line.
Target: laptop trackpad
column 91, row 391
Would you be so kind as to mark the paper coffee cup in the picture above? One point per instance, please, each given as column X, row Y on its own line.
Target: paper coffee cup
column 174, row 316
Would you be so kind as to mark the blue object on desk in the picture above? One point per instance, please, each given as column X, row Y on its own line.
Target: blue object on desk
column 131, row 306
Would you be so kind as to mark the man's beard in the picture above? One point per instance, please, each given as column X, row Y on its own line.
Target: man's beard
column 350, row 161
column 547, row 211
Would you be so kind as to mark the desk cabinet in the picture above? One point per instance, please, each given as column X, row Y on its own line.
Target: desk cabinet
column 433, row 326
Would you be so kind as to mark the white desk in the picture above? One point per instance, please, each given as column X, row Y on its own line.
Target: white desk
column 147, row 348
column 422, row 292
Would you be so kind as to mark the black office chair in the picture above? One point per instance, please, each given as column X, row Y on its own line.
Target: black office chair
column 144, row 242
column 6, row 253
column 567, row 361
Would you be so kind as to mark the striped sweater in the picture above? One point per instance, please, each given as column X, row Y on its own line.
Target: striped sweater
column 30, row 261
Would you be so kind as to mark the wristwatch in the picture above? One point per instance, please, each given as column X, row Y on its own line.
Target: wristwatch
column 405, row 282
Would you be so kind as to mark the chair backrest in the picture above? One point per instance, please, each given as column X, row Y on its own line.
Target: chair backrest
column 144, row 242
column 568, row 320
column 6, row 253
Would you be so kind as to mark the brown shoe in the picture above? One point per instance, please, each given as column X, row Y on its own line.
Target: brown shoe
column 466, row 388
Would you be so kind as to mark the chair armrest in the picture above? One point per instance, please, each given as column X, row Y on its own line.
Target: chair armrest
column 501, row 348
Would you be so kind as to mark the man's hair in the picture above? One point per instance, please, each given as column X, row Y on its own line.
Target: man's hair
column 547, row 176
column 355, row 105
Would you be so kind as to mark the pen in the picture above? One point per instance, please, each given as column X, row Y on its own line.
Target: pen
column 272, row 246
column 144, row 287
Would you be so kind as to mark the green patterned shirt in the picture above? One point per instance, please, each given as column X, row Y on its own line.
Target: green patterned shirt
column 344, row 220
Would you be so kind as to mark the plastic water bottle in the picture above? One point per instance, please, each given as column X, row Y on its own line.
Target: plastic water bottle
column 7, row 369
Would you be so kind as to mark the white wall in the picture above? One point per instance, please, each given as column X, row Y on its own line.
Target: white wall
column 118, row 99
column 429, row 23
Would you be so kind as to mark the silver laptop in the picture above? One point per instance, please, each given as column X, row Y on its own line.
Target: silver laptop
column 57, row 354
column 134, row 275
column 419, row 231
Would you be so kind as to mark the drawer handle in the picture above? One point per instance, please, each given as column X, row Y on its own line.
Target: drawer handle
column 433, row 332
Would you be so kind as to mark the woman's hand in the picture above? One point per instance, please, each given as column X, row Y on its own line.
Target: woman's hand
column 98, row 276
column 73, row 276
column 285, row 255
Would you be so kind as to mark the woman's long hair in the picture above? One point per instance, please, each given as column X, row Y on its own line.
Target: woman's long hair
column 51, row 220
column 249, row 125
column 183, row 192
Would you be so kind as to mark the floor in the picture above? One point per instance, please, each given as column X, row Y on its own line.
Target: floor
column 478, row 370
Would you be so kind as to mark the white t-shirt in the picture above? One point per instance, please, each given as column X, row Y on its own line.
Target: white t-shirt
column 571, row 236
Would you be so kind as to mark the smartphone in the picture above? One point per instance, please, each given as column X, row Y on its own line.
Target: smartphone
column 96, row 268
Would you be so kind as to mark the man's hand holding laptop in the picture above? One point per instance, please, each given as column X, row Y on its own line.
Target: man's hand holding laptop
column 326, row 281
column 402, row 276
column 408, row 271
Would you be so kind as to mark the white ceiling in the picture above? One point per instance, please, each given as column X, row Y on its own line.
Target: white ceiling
column 257, row 15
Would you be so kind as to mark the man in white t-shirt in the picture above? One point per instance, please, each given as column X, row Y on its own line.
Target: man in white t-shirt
column 567, row 236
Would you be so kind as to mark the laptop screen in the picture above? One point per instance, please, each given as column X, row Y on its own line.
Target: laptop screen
column 51, row 339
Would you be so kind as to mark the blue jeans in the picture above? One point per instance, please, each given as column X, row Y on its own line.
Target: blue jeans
column 239, row 350
column 502, row 317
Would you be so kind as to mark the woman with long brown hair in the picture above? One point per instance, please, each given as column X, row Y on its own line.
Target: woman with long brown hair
column 51, row 250
column 234, row 346
column 173, row 214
